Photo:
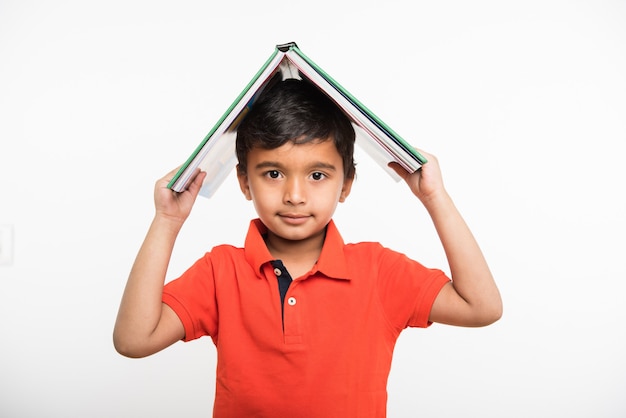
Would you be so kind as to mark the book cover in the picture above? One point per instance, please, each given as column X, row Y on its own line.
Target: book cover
column 216, row 153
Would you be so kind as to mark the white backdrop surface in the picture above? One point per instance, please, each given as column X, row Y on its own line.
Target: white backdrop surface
column 524, row 103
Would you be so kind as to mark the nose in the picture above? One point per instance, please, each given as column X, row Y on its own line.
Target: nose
column 294, row 192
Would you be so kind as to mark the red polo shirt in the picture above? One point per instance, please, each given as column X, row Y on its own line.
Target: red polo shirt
column 329, row 353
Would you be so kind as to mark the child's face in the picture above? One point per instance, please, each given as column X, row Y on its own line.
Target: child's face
column 295, row 188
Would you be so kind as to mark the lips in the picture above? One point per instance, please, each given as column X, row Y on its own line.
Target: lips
column 293, row 218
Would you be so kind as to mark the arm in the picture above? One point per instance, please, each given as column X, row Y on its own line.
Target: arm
column 472, row 299
column 144, row 324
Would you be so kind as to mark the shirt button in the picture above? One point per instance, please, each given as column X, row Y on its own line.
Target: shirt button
column 277, row 271
column 291, row 301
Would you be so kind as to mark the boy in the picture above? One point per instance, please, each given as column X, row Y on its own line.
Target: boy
column 304, row 324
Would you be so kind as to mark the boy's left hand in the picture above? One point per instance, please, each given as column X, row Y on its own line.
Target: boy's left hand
column 472, row 298
column 426, row 182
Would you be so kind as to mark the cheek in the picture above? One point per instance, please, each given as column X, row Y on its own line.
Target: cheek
column 262, row 199
column 341, row 196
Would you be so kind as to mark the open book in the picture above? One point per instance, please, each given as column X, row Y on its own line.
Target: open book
column 216, row 152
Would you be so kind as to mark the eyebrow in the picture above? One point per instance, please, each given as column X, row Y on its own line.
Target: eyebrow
column 276, row 164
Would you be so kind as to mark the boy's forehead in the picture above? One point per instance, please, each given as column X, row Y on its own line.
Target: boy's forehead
column 293, row 145
column 310, row 150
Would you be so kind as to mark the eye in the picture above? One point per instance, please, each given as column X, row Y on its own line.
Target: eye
column 317, row 176
column 273, row 174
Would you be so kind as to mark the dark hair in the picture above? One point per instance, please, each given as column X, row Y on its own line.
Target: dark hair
column 294, row 110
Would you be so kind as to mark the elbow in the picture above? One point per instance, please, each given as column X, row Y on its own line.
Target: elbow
column 490, row 310
column 126, row 348
column 123, row 349
column 491, row 319
column 128, row 351
column 490, row 315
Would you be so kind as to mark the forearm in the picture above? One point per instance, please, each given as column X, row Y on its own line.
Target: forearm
column 471, row 276
column 141, row 306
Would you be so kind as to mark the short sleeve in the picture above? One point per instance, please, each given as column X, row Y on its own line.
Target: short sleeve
column 407, row 289
column 192, row 298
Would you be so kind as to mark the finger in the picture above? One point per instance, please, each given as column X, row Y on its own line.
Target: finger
column 399, row 169
column 196, row 183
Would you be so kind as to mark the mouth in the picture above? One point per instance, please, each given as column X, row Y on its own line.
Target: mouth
column 293, row 218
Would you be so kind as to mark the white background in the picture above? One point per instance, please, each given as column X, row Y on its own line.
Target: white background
column 524, row 103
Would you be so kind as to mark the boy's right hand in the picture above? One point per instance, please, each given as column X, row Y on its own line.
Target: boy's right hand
column 176, row 206
column 144, row 324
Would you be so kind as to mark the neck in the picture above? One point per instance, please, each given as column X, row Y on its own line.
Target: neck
column 298, row 255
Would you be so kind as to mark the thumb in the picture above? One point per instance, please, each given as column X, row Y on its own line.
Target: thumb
column 399, row 170
column 196, row 184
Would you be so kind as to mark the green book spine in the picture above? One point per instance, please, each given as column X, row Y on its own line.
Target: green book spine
column 368, row 113
column 221, row 120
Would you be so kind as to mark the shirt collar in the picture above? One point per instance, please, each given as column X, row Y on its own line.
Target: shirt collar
column 332, row 262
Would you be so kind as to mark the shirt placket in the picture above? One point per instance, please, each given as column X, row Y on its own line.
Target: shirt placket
column 289, row 304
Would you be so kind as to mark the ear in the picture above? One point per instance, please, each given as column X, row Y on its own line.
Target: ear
column 244, row 184
column 345, row 190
